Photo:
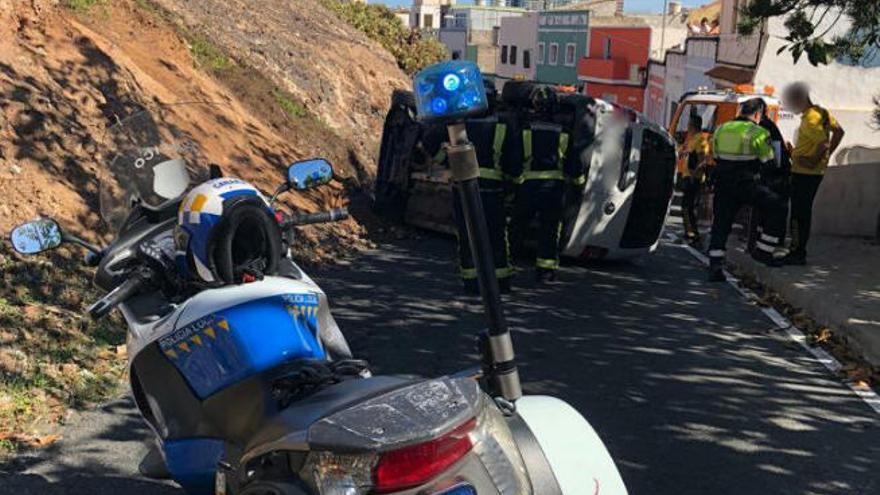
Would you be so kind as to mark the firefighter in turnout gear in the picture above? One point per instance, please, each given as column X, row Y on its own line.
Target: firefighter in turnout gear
column 692, row 167
column 494, row 139
column 547, row 164
column 742, row 148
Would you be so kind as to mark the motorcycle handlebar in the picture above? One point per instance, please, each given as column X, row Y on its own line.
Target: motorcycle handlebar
column 333, row 215
column 120, row 294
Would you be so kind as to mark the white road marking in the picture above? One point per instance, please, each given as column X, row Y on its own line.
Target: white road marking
column 867, row 394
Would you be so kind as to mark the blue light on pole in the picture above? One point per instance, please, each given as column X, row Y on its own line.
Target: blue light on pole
column 451, row 82
column 449, row 91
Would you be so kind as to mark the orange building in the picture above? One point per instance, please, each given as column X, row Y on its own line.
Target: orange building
column 616, row 65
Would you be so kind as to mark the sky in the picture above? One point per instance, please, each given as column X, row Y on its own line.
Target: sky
column 629, row 5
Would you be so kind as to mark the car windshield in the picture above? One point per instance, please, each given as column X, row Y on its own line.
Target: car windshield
column 152, row 162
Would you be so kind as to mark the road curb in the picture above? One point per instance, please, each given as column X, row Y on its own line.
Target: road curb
column 826, row 307
column 863, row 391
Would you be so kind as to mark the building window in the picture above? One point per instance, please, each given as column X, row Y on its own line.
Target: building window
column 429, row 21
column 527, row 59
column 607, row 49
column 541, row 53
column 569, row 54
column 553, row 56
column 513, row 55
column 504, row 54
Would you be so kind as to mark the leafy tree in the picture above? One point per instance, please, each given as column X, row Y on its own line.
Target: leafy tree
column 809, row 22
column 379, row 23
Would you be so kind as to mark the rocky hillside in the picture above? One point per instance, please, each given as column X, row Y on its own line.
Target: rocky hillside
column 337, row 72
column 288, row 80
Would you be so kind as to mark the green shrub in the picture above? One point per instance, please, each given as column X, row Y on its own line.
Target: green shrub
column 83, row 6
column 380, row 24
column 207, row 55
column 289, row 105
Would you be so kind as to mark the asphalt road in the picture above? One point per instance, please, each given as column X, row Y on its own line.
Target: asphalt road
column 693, row 389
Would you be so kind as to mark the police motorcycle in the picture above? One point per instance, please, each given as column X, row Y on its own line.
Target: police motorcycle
column 249, row 386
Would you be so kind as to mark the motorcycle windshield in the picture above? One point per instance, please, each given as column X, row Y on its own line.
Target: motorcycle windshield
column 152, row 162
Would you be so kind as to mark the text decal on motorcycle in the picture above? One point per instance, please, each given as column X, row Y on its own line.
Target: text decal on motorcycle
column 230, row 345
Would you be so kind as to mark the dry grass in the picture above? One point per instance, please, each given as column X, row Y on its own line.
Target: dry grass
column 51, row 356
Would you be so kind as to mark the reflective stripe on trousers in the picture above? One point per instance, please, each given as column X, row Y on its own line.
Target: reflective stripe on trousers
column 471, row 273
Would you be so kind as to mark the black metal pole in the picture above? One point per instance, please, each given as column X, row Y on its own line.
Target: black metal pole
column 503, row 373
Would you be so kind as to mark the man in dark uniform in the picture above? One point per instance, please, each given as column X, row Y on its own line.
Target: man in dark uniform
column 495, row 139
column 546, row 164
column 775, row 175
column 742, row 148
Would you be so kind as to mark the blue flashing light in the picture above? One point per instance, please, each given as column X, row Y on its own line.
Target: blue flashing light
column 451, row 82
column 439, row 106
column 449, row 91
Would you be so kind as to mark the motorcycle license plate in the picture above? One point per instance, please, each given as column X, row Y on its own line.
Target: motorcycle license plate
column 220, row 483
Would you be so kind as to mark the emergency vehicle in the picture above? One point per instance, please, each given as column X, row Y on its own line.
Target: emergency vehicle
column 715, row 106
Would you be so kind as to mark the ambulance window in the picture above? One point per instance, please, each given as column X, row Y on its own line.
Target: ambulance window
column 705, row 111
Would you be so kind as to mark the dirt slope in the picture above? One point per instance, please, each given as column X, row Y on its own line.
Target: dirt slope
column 65, row 77
column 340, row 74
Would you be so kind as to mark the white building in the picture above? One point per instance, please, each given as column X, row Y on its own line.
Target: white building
column 404, row 15
column 517, row 40
column 428, row 14
column 845, row 88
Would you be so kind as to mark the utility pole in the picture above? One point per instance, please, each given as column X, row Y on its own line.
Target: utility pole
column 663, row 30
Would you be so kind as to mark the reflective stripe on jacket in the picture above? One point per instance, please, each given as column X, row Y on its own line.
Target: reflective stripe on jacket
column 557, row 172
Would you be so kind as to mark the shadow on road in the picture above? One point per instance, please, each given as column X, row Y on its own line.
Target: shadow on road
column 693, row 390
column 99, row 454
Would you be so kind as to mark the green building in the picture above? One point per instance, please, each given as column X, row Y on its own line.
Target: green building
column 563, row 38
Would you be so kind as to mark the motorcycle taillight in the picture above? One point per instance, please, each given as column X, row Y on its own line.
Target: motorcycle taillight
column 414, row 465
column 391, row 471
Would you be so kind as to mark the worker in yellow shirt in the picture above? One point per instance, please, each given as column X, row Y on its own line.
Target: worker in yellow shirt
column 817, row 138
column 692, row 169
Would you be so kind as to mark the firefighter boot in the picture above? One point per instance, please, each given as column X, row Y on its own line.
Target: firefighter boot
column 767, row 258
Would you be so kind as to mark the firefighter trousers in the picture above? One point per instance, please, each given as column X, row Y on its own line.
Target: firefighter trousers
column 542, row 198
column 732, row 192
column 690, row 191
column 492, row 197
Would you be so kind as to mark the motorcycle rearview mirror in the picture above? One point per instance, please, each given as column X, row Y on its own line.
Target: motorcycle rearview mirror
column 44, row 234
column 307, row 174
column 36, row 236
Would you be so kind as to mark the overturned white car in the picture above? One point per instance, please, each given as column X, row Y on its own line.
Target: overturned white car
column 620, row 212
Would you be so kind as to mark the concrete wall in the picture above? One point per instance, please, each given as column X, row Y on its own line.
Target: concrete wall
column 455, row 40
column 699, row 58
column 676, row 32
column 848, row 202
column 655, row 94
column 674, row 85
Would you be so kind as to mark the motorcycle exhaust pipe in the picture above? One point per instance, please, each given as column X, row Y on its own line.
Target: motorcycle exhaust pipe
column 499, row 358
